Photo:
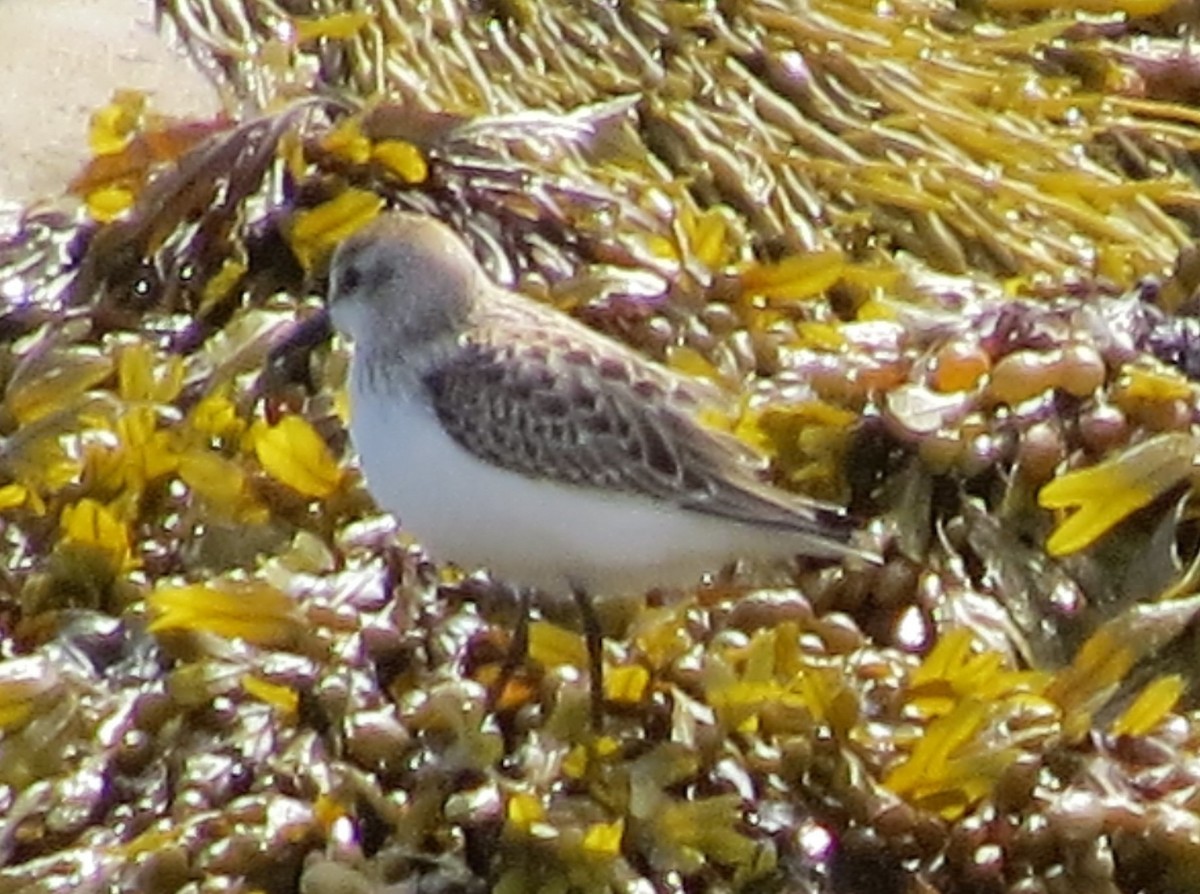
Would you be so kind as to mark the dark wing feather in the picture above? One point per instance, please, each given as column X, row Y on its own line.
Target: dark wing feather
column 615, row 424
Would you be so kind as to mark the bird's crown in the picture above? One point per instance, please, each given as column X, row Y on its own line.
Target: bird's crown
column 404, row 277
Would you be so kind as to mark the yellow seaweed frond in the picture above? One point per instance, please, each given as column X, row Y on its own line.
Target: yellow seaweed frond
column 1104, row 495
column 576, row 762
column 1153, row 383
column 12, row 496
column 250, row 610
column 525, row 811
column 954, row 764
column 968, row 698
column 820, row 336
column 133, row 453
column 144, row 377
column 554, row 646
column 113, row 126
column 16, row 496
column 689, row 833
column 795, row 278
column 348, row 142
column 1150, row 708
column 91, row 524
column 222, row 483
column 627, row 684
column 106, row 203
column 878, row 309
column 221, row 285
column 215, row 418
column 284, row 699
column 659, row 633
column 872, row 278
column 402, row 159
column 706, row 234
column 689, row 361
column 337, row 26
column 830, row 700
column 316, row 232
column 956, row 669
column 294, row 454
column 772, row 675
column 603, row 840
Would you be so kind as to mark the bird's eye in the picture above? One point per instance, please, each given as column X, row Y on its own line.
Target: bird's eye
column 350, row 280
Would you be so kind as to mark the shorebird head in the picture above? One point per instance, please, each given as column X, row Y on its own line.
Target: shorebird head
column 404, row 281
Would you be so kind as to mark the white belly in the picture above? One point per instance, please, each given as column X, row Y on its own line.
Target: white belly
column 534, row 533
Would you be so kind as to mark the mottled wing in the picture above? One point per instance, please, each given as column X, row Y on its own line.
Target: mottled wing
column 549, row 407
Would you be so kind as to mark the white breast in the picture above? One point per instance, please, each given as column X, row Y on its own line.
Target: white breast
column 534, row 532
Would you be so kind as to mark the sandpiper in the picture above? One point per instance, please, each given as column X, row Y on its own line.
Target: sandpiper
column 505, row 435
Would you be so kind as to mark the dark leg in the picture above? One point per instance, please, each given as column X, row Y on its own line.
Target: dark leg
column 518, row 649
column 595, row 648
